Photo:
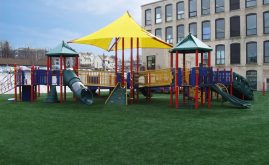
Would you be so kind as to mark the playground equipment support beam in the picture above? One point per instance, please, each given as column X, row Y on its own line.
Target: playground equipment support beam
column 61, row 79
column 171, row 88
column 20, row 84
column 202, row 89
column 64, row 85
column 122, row 63
column 137, row 68
column 32, row 82
column 209, row 80
column 47, row 75
column 184, row 78
column 263, row 88
column 231, row 81
column 217, row 81
column 176, row 81
column 196, row 80
column 15, row 82
column 50, row 69
column 131, row 74
column 116, row 61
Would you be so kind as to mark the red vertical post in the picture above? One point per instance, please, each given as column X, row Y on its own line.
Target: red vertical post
column 176, row 81
column 61, row 79
column 131, row 74
column 116, row 60
column 218, row 82
column 149, row 94
column 20, row 83
column 47, row 75
column 15, row 82
column 196, row 80
column 209, row 78
column 64, row 85
column 171, row 88
column 202, row 89
column 184, row 78
column 32, row 82
column 231, row 81
column 263, row 88
column 225, row 79
column 137, row 69
column 38, row 87
column 50, row 69
column 122, row 63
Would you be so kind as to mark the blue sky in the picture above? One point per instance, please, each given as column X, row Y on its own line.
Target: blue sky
column 44, row 23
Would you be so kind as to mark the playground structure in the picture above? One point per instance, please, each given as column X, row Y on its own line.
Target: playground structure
column 195, row 84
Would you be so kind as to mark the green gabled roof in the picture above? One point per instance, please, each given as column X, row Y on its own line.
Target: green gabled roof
column 62, row 50
column 190, row 44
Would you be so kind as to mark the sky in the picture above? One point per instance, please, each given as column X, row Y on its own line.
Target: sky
column 45, row 23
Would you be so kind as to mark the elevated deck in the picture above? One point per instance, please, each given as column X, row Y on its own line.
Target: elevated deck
column 155, row 78
column 98, row 78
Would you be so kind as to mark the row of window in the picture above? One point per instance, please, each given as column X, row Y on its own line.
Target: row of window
column 251, row 28
column 205, row 9
column 235, row 51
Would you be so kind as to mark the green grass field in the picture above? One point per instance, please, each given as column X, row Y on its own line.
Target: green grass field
column 72, row 133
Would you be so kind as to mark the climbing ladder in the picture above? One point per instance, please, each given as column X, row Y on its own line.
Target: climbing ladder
column 118, row 96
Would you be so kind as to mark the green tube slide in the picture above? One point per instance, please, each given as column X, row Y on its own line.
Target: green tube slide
column 74, row 83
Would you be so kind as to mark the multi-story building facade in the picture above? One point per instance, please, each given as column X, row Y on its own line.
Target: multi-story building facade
column 237, row 30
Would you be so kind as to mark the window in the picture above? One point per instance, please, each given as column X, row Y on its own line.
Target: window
column 192, row 8
column 235, row 26
column 234, row 4
column 180, row 33
column 205, row 7
column 266, row 51
column 251, row 76
column 206, row 30
column 265, row 2
column 148, row 17
column 220, row 28
column 151, row 62
column 168, row 13
column 266, row 22
column 219, row 6
column 180, row 10
column 193, row 29
column 158, row 32
column 169, row 35
column 251, row 53
column 251, row 24
column 235, row 53
column 158, row 15
column 220, row 54
column 250, row 3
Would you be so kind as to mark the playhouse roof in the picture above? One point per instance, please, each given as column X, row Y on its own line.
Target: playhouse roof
column 190, row 44
column 63, row 49
column 124, row 27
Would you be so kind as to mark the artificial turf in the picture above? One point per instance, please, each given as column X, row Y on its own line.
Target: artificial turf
column 73, row 133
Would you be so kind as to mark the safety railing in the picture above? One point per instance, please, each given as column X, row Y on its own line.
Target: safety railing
column 155, row 78
column 7, row 83
column 98, row 78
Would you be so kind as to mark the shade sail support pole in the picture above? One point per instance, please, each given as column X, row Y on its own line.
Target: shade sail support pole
column 137, row 69
column 122, row 63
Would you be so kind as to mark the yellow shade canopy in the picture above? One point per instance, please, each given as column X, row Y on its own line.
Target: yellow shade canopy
column 124, row 27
